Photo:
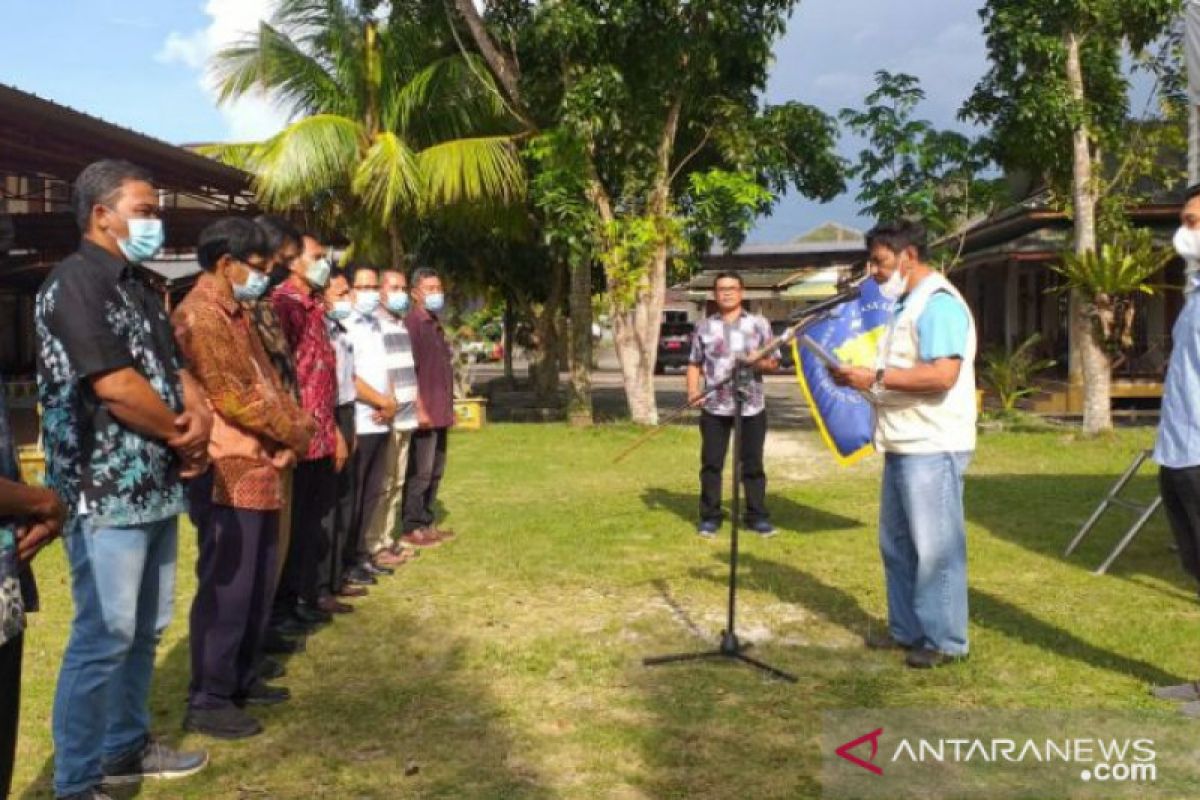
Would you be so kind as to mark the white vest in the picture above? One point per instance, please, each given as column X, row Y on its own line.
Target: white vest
column 942, row 422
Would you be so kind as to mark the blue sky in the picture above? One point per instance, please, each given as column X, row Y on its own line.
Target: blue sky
column 138, row 63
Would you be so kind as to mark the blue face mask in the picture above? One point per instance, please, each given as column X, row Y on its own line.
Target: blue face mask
column 255, row 286
column 435, row 302
column 146, row 237
column 317, row 274
column 340, row 311
column 366, row 301
column 397, row 302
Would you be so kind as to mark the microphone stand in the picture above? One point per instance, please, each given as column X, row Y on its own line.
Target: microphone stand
column 730, row 646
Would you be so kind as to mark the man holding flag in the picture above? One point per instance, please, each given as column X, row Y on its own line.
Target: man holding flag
column 924, row 391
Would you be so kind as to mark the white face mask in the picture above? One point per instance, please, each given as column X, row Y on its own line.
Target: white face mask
column 1187, row 244
column 894, row 287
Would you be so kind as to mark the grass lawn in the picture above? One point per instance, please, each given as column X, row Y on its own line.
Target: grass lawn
column 506, row 664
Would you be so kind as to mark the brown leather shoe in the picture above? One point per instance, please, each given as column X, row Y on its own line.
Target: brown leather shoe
column 420, row 538
column 352, row 591
column 386, row 558
column 332, row 605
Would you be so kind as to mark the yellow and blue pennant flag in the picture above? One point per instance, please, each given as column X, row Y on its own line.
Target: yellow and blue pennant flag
column 851, row 333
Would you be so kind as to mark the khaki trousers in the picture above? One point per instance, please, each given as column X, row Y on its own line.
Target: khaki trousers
column 381, row 530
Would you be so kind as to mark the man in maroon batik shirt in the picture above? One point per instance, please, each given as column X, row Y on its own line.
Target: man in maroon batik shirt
column 435, row 411
column 301, row 310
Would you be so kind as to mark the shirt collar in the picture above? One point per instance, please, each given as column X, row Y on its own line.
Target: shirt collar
column 206, row 285
column 98, row 255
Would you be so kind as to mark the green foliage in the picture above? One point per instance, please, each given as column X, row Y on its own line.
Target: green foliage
column 638, row 97
column 1110, row 278
column 722, row 206
column 1024, row 98
column 910, row 169
column 394, row 124
column 558, row 191
column 631, row 245
column 1011, row 375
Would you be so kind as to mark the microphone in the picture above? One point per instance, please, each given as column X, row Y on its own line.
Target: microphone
column 851, row 292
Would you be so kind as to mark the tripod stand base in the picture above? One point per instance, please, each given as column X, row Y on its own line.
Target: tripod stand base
column 730, row 648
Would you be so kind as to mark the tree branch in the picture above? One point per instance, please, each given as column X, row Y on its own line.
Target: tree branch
column 694, row 152
column 502, row 65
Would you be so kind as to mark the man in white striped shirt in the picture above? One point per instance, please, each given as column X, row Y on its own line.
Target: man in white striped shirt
column 381, row 533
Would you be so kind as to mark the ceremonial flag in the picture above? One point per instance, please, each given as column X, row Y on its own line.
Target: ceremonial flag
column 851, row 334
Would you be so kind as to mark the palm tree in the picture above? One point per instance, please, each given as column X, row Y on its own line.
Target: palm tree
column 392, row 122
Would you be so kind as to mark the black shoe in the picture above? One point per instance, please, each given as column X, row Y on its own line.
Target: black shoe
column 87, row 794
column 263, row 694
column 926, row 658
column 292, row 627
column 276, row 644
column 312, row 615
column 371, row 568
column 222, row 723
column 360, row 577
column 271, row 670
column 154, row 760
column 884, row 641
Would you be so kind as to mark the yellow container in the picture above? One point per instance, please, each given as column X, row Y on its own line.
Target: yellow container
column 471, row 413
column 33, row 465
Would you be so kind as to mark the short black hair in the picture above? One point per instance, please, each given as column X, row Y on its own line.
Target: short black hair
column 278, row 231
column 1192, row 192
column 100, row 183
column 898, row 236
column 421, row 273
column 233, row 236
column 355, row 267
column 728, row 275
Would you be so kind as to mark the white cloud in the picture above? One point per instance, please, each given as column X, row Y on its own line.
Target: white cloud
column 251, row 117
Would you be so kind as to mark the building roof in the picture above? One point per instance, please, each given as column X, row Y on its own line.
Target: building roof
column 41, row 137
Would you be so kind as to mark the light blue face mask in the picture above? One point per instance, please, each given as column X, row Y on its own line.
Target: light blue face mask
column 255, row 286
column 366, row 301
column 397, row 302
column 435, row 302
column 317, row 274
column 146, row 237
column 340, row 311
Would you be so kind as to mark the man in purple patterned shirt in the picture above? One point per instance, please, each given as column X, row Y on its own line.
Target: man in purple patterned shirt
column 718, row 344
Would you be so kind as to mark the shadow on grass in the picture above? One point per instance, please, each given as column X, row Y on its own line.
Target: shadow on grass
column 786, row 514
column 1042, row 513
column 1016, row 623
column 793, row 585
column 382, row 707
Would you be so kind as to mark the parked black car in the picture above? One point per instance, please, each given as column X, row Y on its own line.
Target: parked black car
column 674, row 345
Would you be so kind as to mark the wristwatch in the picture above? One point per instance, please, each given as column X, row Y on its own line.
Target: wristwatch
column 877, row 386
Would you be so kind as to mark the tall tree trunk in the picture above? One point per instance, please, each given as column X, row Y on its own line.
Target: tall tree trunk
column 579, row 398
column 510, row 330
column 635, row 334
column 1089, row 360
column 396, row 243
column 545, row 372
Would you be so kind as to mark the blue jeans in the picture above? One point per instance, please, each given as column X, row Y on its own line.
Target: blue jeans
column 923, row 539
column 123, row 586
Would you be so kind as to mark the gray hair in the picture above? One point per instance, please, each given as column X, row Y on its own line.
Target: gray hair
column 100, row 183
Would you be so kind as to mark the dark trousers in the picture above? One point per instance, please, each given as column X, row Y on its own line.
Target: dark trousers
column 332, row 561
column 426, row 465
column 1180, row 490
column 234, row 571
column 313, row 490
column 371, row 467
column 714, row 434
column 10, row 707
